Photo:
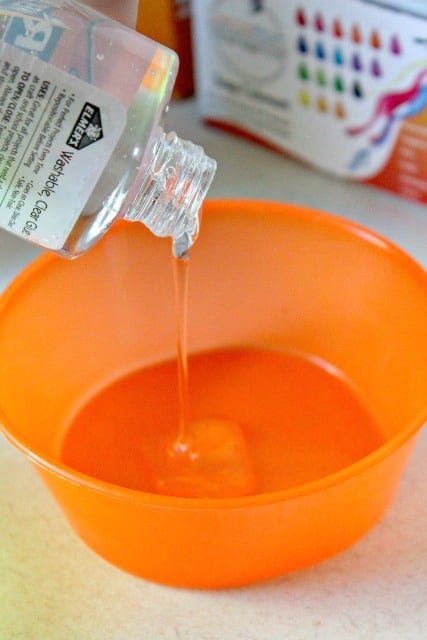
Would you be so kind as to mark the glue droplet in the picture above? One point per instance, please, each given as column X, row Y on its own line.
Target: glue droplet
column 213, row 463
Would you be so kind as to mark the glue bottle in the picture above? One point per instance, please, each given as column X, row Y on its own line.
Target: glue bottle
column 82, row 98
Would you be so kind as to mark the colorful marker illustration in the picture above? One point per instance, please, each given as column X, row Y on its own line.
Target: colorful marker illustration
column 390, row 108
column 388, row 104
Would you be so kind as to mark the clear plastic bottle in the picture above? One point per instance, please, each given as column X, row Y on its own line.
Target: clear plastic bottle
column 124, row 11
column 82, row 99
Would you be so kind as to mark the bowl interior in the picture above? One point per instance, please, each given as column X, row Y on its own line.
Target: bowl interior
column 334, row 302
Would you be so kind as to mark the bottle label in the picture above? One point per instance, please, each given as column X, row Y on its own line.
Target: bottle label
column 57, row 134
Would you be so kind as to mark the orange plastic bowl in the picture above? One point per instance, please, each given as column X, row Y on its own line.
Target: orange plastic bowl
column 269, row 275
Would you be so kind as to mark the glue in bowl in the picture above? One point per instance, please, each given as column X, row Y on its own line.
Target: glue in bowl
column 263, row 276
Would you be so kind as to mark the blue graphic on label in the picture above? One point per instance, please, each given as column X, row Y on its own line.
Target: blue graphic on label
column 39, row 37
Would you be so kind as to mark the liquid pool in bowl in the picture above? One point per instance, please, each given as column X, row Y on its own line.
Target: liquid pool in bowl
column 300, row 421
column 337, row 311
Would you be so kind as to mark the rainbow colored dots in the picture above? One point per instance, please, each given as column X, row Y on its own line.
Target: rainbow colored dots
column 301, row 17
column 343, row 54
column 356, row 34
column 321, row 104
column 338, row 56
column 339, row 84
column 376, row 69
column 356, row 62
column 319, row 23
column 337, row 28
column 302, row 45
column 304, row 98
column 320, row 50
column 375, row 39
column 303, row 72
column 357, row 90
column 339, row 110
column 321, row 78
column 395, row 46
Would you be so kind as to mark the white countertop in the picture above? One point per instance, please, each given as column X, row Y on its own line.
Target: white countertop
column 53, row 588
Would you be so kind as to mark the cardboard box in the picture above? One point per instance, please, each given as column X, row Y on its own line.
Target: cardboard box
column 341, row 85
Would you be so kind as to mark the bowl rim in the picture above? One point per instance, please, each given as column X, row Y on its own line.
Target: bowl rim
column 384, row 451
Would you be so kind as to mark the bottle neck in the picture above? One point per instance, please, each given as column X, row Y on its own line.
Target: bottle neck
column 172, row 190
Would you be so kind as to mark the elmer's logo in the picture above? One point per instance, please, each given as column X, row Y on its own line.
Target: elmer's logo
column 87, row 128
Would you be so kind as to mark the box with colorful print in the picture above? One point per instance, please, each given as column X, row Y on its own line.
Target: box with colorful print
column 339, row 85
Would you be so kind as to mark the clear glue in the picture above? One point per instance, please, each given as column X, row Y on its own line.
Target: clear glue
column 82, row 98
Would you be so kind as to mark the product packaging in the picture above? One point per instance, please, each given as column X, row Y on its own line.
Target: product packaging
column 341, row 85
column 82, row 99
